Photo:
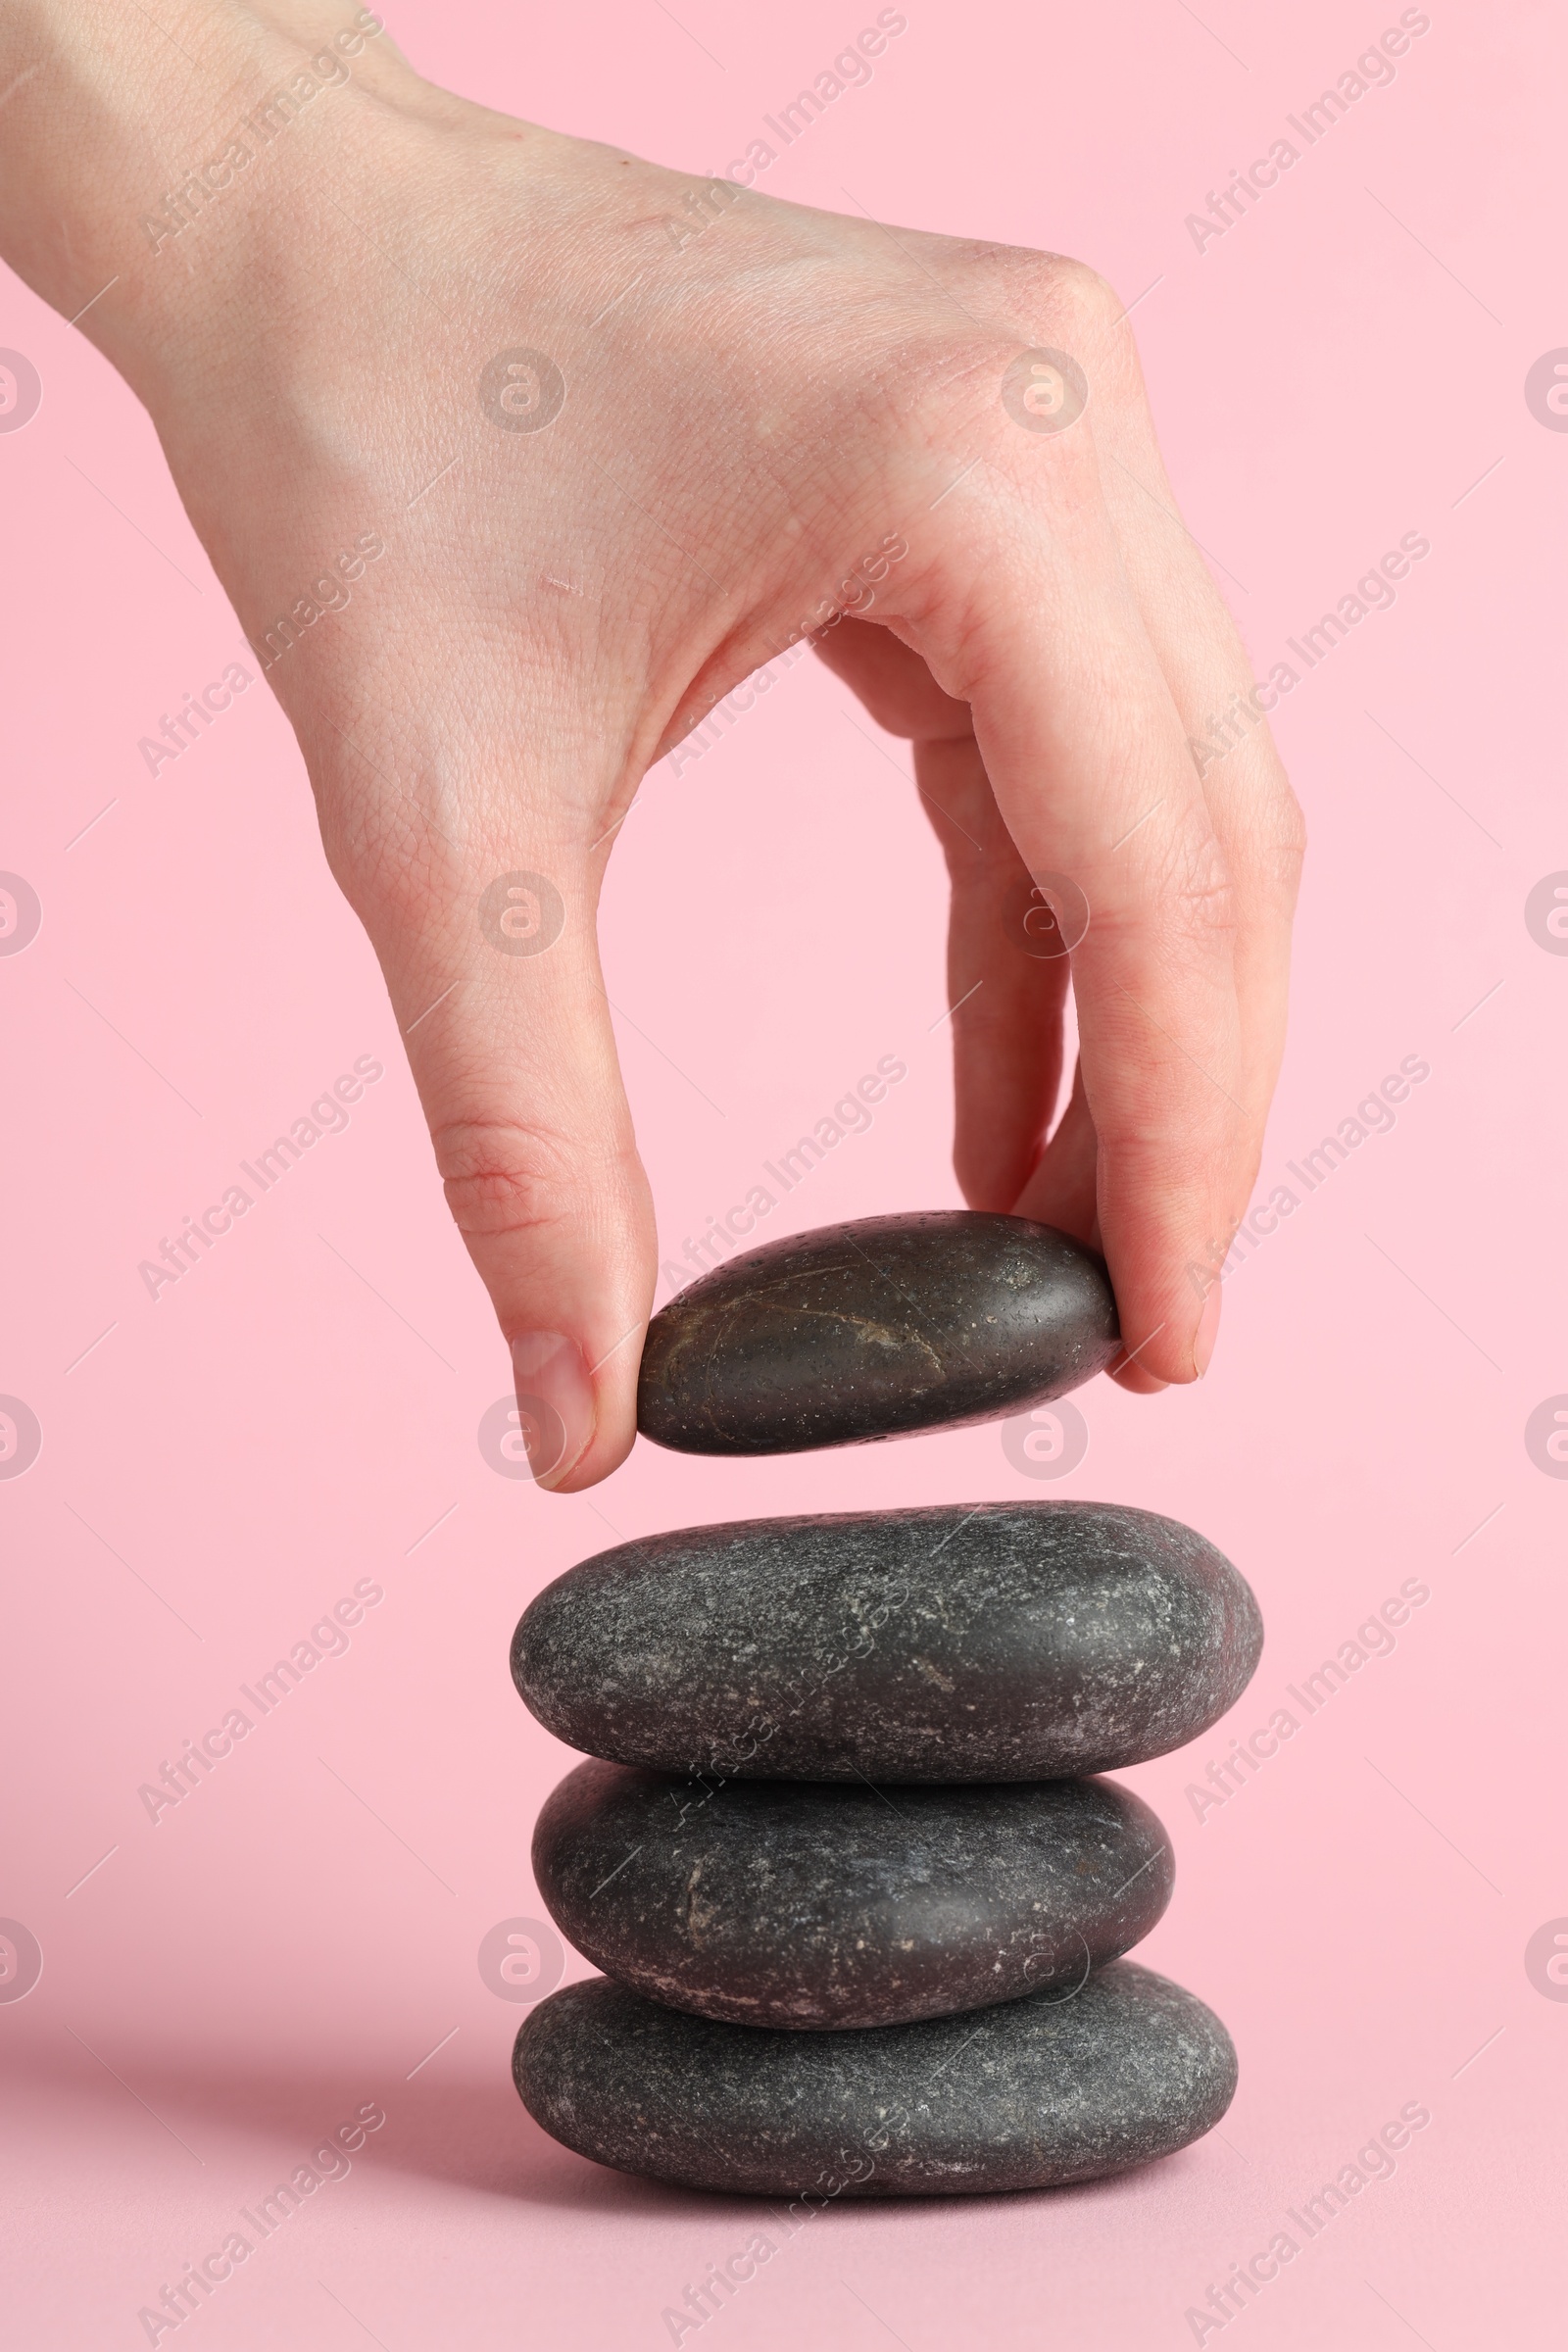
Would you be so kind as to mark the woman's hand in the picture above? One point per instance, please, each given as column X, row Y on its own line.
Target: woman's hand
column 620, row 438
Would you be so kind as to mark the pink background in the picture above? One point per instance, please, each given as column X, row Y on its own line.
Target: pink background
column 220, row 1989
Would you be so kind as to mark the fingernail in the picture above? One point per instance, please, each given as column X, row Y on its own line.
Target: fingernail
column 555, row 1403
column 1207, row 1330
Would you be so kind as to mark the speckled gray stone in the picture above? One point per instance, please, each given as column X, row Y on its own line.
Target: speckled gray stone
column 873, row 1329
column 1032, row 2094
column 1004, row 1641
column 804, row 1904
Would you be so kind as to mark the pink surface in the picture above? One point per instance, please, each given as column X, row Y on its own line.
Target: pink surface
column 224, row 1987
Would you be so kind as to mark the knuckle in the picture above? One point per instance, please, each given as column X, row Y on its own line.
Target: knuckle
column 1185, row 897
column 1205, row 891
column 1271, row 845
column 1078, row 298
column 1070, row 306
column 1052, row 304
column 1287, row 836
column 501, row 1179
column 1036, row 284
column 1197, row 888
column 1051, row 301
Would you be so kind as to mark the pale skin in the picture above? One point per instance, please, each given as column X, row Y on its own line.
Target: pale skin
column 747, row 415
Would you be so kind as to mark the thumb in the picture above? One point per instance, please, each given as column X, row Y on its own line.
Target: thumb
column 507, row 1031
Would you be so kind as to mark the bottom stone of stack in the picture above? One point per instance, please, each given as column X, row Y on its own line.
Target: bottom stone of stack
column 1034, row 2093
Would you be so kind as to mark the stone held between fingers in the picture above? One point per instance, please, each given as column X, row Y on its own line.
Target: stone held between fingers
column 875, row 1329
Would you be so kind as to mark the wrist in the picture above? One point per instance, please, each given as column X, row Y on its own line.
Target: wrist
column 140, row 162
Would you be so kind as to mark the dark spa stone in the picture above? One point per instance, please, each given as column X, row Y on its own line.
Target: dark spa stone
column 1003, row 1641
column 1031, row 2094
column 801, row 1904
column 873, row 1329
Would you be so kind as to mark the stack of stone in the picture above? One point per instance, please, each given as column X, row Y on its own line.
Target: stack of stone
column 859, row 1901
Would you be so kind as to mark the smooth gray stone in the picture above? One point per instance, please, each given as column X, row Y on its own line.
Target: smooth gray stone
column 805, row 1904
column 925, row 1321
column 1004, row 1641
column 1032, row 2094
